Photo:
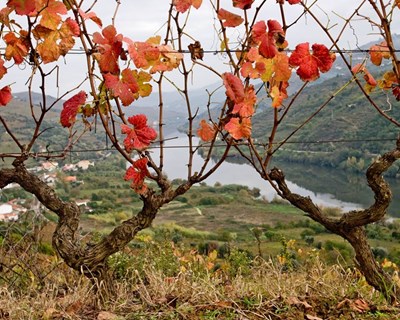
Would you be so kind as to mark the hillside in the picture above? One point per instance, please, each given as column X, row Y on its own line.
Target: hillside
column 347, row 132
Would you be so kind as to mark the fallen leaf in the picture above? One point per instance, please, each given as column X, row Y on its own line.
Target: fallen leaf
column 358, row 305
column 311, row 317
column 105, row 315
column 297, row 302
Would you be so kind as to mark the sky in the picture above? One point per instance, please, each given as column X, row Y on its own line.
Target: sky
column 140, row 20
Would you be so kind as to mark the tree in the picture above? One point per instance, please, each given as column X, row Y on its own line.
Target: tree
column 258, row 67
column 116, row 71
column 262, row 55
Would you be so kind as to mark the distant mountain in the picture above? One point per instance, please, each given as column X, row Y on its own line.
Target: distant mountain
column 37, row 99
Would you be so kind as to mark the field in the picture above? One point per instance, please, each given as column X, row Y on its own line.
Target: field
column 218, row 252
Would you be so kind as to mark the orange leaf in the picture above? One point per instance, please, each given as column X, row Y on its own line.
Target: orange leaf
column 360, row 68
column 169, row 59
column 184, row 5
column 245, row 106
column 255, row 72
column 282, row 70
column 51, row 11
column 5, row 16
column 5, row 95
column 231, row 19
column 48, row 50
column 239, row 128
column 69, row 29
column 143, row 54
column 379, row 52
column 389, row 78
column 206, row 132
column 17, row 48
column 278, row 93
column 234, row 87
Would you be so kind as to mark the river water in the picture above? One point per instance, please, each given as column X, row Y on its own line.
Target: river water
column 327, row 187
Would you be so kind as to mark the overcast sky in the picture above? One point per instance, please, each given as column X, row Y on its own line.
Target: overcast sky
column 142, row 19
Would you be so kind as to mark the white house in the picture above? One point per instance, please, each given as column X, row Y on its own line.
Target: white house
column 6, row 213
column 10, row 211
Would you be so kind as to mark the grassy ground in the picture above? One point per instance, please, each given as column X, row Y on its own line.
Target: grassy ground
column 171, row 270
column 168, row 282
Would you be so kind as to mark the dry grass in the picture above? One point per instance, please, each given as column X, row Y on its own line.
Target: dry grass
column 266, row 291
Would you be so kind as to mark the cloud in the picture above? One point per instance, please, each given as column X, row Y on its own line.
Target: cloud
column 140, row 20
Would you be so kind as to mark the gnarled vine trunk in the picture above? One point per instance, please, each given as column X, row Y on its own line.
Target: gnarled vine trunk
column 351, row 225
column 89, row 259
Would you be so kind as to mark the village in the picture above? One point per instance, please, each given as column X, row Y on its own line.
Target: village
column 50, row 172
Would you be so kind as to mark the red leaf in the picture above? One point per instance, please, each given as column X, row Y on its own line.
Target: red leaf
column 110, row 49
column 3, row 69
column 309, row 65
column 124, row 88
column 294, row 1
column 22, row 7
column 258, row 30
column 396, row 91
column 231, row 19
column 239, row 128
column 70, row 109
column 267, row 46
column 140, row 136
column 360, row 68
column 137, row 173
column 242, row 4
column 92, row 16
column 268, row 40
column 5, row 95
column 275, row 27
column 184, row 5
column 234, row 87
column 206, row 132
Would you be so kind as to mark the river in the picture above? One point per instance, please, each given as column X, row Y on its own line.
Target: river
column 327, row 187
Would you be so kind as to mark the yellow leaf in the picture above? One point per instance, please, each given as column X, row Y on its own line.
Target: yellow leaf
column 213, row 255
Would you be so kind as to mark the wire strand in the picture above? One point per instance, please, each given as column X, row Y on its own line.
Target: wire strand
column 221, row 145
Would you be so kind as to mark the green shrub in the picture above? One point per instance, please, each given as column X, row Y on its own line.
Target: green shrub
column 46, row 248
column 239, row 262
